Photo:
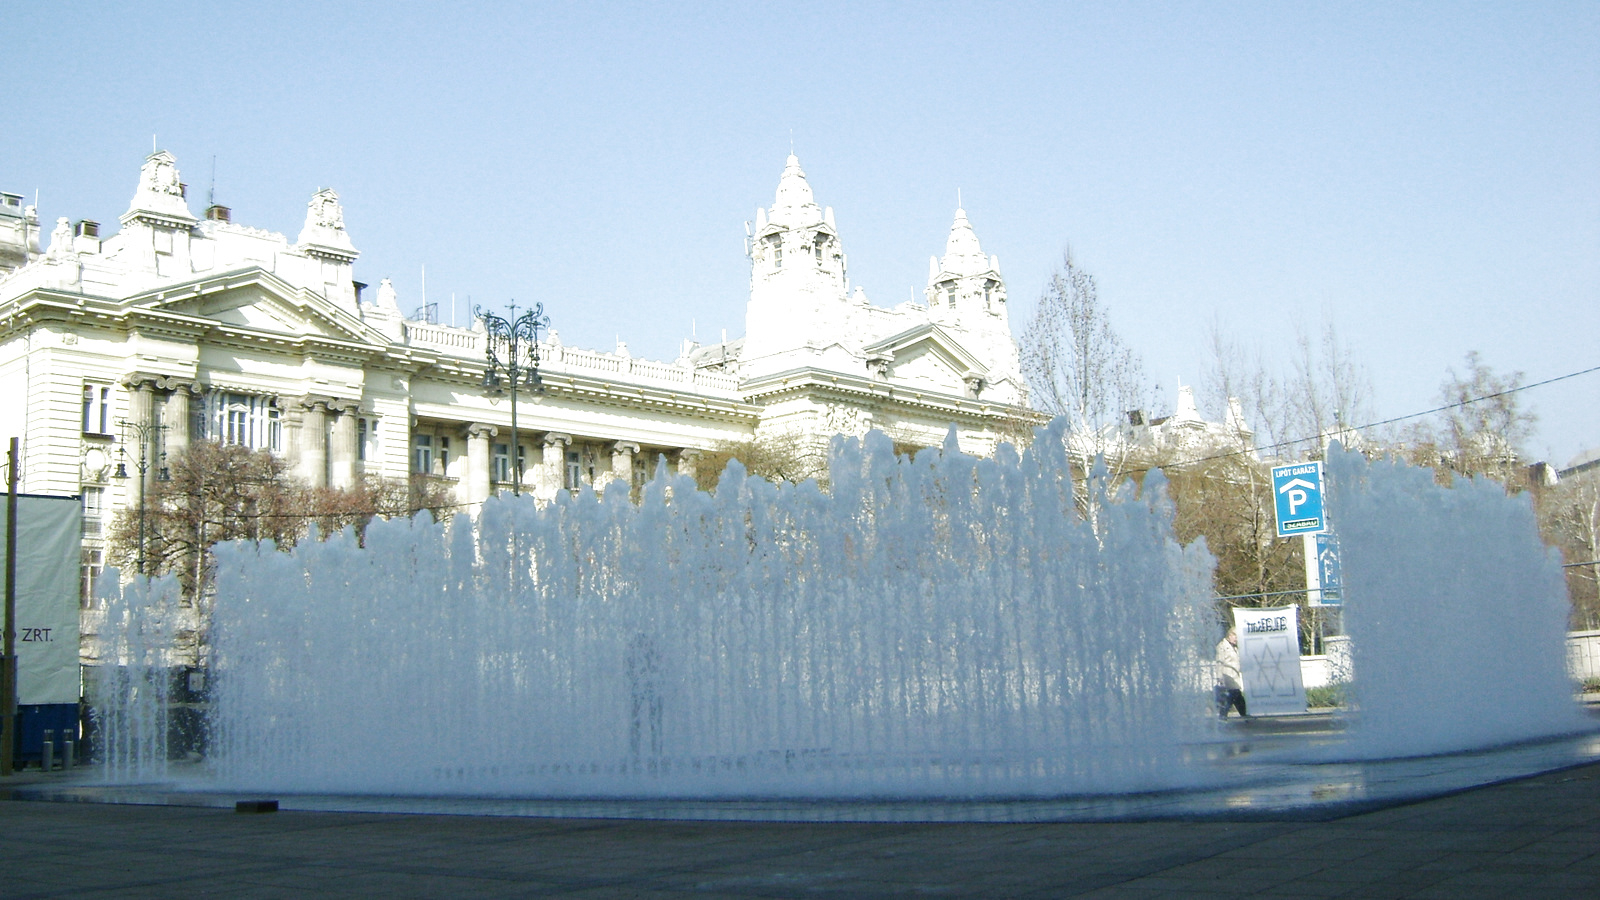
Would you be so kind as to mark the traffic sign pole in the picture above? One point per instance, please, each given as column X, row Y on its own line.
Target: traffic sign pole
column 1308, row 547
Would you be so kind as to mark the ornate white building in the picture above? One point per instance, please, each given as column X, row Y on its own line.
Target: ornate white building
column 180, row 328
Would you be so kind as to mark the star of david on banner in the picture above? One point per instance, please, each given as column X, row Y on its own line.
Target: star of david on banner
column 1269, row 656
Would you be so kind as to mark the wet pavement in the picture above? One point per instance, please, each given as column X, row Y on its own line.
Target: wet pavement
column 1463, row 826
column 1280, row 768
column 1536, row 837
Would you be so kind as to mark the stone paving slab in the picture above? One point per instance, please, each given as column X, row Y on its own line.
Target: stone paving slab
column 1538, row 837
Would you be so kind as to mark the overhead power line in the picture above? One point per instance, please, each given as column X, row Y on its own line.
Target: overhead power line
column 1382, row 422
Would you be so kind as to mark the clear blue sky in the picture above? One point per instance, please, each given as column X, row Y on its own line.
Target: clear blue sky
column 1425, row 176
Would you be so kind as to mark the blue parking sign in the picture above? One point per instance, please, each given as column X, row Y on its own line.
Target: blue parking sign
column 1297, row 495
column 1330, row 574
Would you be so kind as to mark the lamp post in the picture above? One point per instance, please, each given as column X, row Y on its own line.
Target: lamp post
column 513, row 336
column 145, row 432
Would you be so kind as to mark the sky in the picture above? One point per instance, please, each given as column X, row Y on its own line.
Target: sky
column 1423, row 177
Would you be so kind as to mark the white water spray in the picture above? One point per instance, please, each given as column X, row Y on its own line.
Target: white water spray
column 943, row 627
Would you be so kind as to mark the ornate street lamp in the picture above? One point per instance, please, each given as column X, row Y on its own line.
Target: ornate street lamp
column 518, row 339
column 145, row 432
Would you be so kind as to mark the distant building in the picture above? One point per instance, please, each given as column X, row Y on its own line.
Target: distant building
column 192, row 328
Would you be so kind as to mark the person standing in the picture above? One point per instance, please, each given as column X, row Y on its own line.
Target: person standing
column 1230, row 684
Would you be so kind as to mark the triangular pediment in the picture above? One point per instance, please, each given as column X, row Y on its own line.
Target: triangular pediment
column 928, row 356
column 257, row 300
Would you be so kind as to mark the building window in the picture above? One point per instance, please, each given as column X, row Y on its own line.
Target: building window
column 444, row 455
column 361, row 440
column 500, row 463
column 950, row 294
column 243, row 420
column 96, row 409
column 819, row 251
column 776, row 244
column 574, row 470
column 93, row 564
column 94, row 499
column 422, row 454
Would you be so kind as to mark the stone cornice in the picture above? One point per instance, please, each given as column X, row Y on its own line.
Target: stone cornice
column 867, row 392
column 151, row 217
column 593, row 391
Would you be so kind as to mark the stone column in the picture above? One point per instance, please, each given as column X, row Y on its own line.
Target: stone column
column 177, row 414
column 479, row 459
column 555, row 464
column 141, row 412
column 688, row 461
column 622, row 453
column 314, row 441
column 342, row 449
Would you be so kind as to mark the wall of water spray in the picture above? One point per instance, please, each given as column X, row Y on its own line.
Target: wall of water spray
column 131, row 696
column 1457, row 613
column 939, row 627
column 944, row 626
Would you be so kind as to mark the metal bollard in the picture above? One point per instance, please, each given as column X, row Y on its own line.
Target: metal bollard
column 47, row 754
column 68, row 749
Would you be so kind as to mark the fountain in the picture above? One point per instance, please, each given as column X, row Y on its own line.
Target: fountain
column 1459, row 614
column 938, row 627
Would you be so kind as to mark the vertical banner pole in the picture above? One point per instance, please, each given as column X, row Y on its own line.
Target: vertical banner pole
column 1308, row 548
column 8, row 667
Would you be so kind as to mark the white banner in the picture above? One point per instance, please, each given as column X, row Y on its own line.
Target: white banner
column 1269, row 659
column 49, row 560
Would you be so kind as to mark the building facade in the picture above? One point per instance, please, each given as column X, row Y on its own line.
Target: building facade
column 119, row 351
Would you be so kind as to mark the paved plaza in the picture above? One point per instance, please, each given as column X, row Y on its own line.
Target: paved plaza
column 1532, row 838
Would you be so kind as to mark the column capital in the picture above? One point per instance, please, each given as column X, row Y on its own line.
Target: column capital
column 556, row 438
column 624, row 447
column 179, row 385
column 690, row 454
column 317, row 403
column 142, row 381
column 479, row 429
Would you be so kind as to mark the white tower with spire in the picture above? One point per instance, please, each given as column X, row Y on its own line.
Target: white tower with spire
column 798, row 313
column 967, row 297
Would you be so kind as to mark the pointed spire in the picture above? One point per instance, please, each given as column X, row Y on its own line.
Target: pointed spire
column 962, row 255
column 1186, row 412
column 794, row 206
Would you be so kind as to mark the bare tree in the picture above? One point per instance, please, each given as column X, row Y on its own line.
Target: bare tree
column 1228, row 501
column 1485, row 428
column 1330, row 392
column 1075, row 362
column 1237, row 373
column 1324, row 394
column 778, row 456
column 218, row 492
column 1569, row 517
